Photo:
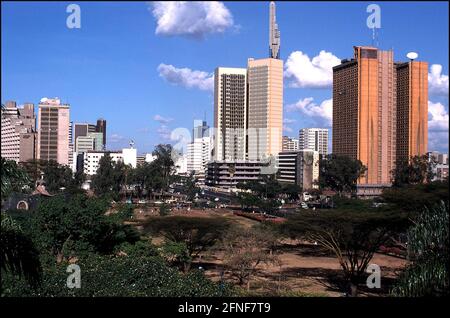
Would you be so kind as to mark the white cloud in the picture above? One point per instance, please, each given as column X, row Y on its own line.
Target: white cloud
column 288, row 121
column 437, row 117
column 193, row 19
column 186, row 77
column 116, row 138
column 438, row 141
column 287, row 129
column 161, row 119
column 437, row 82
column 163, row 132
column 320, row 113
column 301, row 71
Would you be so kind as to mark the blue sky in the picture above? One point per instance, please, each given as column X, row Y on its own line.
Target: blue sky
column 147, row 67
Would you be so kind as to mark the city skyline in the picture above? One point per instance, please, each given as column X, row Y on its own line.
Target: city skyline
column 164, row 86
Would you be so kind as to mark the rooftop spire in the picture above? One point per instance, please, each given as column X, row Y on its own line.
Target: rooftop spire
column 274, row 33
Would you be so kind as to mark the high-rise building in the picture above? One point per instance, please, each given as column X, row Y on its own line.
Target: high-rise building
column 198, row 156
column 290, row 144
column 265, row 108
column 274, row 33
column 230, row 113
column 101, row 128
column 201, row 129
column 53, row 130
column 82, row 129
column 364, row 112
column 412, row 109
column 18, row 132
column 313, row 139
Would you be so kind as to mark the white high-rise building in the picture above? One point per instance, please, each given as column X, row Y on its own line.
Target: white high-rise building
column 230, row 113
column 198, row 156
column 314, row 139
column 265, row 108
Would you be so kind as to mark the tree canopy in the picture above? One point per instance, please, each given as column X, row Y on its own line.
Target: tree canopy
column 340, row 173
column 352, row 236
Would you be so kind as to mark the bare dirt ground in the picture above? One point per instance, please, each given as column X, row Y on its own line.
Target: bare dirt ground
column 304, row 267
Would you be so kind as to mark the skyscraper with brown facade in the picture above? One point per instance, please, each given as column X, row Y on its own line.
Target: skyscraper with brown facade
column 379, row 111
column 412, row 109
column 364, row 112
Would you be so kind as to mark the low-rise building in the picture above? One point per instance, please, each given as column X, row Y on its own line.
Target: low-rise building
column 227, row 174
column 299, row 167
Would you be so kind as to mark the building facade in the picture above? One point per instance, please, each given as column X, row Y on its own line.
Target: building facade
column 290, row 144
column 198, row 156
column 230, row 113
column 18, row 132
column 265, row 108
column 91, row 159
column 412, row 109
column 53, row 130
column 315, row 139
column 364, row 112
column 228, row 174
column 299, row 167
column 101, row 128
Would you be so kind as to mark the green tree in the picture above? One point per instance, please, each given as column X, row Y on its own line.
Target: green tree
column 64, row 228
column 247, row 200
column 190, row 187
column 416, row 170
column 353, row 237
column 340, row 173
column 414, row 197
column 103, row 180
column 13, row 178
column 165, row 163
column 56, row 176
column 198, row 233
column 176, row 254
column 428, row 245
column 119, row 276
column 291, row 191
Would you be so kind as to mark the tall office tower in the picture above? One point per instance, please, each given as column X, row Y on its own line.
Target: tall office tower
column 201, row 129
column 101, row 127
column 230, row 113
column 290, row 144
column 82, row 130
column 412, row 109
column 274, row 33
column 265, row 108
column 53, row 130
column 313, row 139
column 18, row 132
column 364, row 112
